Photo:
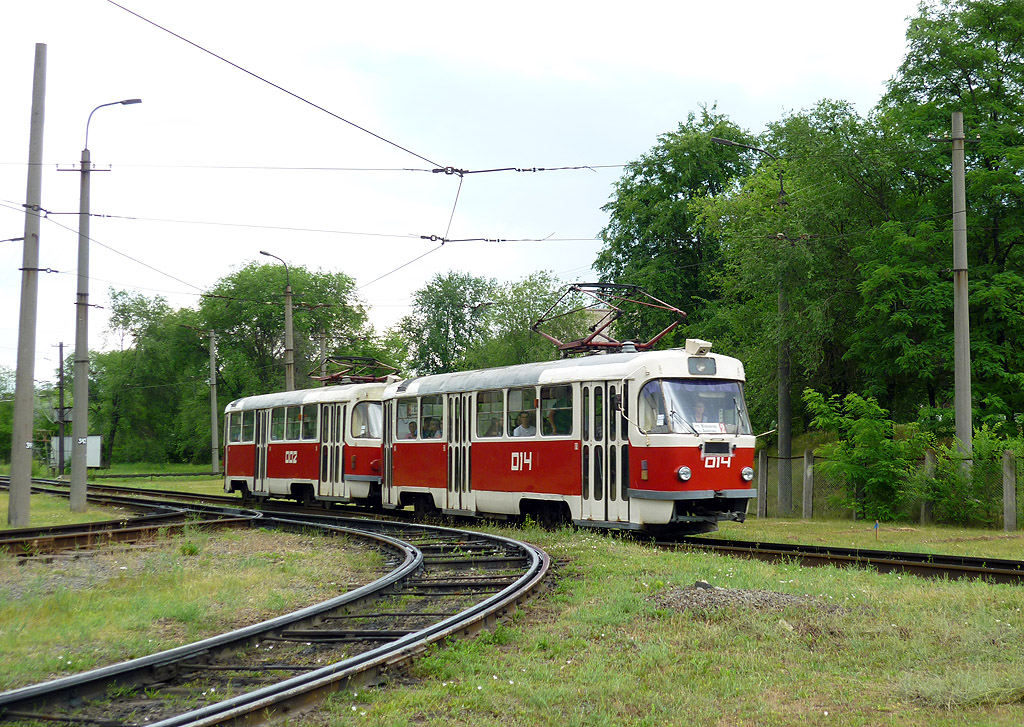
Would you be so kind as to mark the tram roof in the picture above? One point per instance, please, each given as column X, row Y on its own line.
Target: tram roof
column 667, row 363
column 337, row 392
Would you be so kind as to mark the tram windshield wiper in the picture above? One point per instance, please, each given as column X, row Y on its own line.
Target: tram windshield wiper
column 676, row 417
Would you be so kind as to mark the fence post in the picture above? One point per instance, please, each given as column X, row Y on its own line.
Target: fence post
column 929, row 472
column 762, row 483
column 1009, row 491
column 808, row 484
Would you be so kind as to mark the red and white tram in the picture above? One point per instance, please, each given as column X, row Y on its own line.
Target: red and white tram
column 640, row 440
column 654, row 440
column 313, row 444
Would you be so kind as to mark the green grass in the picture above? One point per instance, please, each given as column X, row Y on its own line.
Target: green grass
column 866, row 649
column 69, row 616
column 47, row 510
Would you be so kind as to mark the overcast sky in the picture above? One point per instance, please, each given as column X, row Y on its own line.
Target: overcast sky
column 216, row 165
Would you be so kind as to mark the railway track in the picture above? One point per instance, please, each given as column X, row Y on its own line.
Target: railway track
column 927, row 565
column 441, row 583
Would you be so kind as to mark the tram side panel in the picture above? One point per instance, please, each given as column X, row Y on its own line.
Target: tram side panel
column 506, row 472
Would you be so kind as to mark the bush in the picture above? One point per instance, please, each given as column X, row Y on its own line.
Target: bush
column 876, row 465
column 970, row 496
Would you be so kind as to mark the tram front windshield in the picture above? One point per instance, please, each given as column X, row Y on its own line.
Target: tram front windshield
column 693, row 406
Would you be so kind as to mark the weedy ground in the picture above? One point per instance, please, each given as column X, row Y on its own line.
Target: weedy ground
column 69, row 614
column 622, row 637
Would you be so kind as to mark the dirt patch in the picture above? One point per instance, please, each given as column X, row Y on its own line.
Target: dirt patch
column 705, row 598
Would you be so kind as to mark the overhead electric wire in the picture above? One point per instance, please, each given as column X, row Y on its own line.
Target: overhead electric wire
column 271, row 83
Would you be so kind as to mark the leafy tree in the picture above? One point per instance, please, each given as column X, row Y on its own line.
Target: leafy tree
column 652, row 238
column 876, row 465
column 513, row 309
column 246, row 310
column 449, row 318
column 969, row 55
column 7, row 379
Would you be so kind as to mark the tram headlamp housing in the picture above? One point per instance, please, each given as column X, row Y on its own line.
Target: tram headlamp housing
column 684, row 474
column 747, row 473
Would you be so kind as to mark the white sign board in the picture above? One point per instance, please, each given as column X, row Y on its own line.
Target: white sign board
column 92, row 451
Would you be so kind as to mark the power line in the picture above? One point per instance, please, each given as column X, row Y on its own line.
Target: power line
column 271, row 83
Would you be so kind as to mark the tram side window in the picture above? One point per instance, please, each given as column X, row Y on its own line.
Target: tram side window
column 308, row 418
column 522, row 412
column 407, row 415
column 431, row 417
column 368, row 420
column 489, row 414
column 651, row 409
column 248, row 426
column 235, row 427
column 293, row 422
column 277, row 424
column 556, row 410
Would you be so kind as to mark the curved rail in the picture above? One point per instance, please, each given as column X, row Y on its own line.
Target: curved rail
column 424, row 552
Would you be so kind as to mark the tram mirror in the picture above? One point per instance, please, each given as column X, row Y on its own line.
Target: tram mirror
column 617, row 402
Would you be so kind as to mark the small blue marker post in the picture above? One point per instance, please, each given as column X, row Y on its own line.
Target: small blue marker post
column 876, row 531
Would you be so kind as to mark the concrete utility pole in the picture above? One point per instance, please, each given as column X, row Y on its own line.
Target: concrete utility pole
column 289, row 349
column 214, row 413
column 24, row 382
column 80, row 413
column 783, row 367
column 60, row 414
column 323, row 356
column 961, row 322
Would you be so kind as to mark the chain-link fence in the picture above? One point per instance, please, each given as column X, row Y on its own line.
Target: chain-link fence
column 982, row 492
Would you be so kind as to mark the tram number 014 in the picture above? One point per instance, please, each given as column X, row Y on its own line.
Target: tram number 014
column 716, row 462
column 522, row 461
column 291, row 456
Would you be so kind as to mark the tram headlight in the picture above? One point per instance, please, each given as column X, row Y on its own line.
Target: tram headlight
column 747, row 473
column 684, row 474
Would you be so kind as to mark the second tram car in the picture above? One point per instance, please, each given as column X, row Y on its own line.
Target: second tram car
column 312, row 444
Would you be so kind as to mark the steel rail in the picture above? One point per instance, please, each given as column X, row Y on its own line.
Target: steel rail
column 143, row 670
column 929, row 565
column 303, row 691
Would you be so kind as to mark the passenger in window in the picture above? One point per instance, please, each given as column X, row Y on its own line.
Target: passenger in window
column 431, row 428
column 526, row 428
column 412, row 431
column 494, row 430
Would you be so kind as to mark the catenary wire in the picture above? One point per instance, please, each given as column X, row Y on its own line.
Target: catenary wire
column 271, row 83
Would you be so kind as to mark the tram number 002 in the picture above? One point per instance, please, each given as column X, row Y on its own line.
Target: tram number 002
column 291, row 456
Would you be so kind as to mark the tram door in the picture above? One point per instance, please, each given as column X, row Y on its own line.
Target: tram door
column 594, row 414
column 458, row 495
column 332, row 460
column 617, row 452
column 259, row 480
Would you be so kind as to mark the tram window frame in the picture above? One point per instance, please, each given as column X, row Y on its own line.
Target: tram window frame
column 599, row 412
column 361, row 414
column 432, row 408
column 277, row 419
column 248, row 427
column 235, row 427
column 308, row 420
column 522, row 400
column 407, row 410
column 556, row 408
column 293, row 423
column 490, row 414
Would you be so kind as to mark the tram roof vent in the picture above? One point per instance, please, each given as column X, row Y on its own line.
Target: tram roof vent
column 697, row 347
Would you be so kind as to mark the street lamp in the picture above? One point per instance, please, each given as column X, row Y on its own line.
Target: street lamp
column 80, row 412
column 289, row 354
column 785, row 408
